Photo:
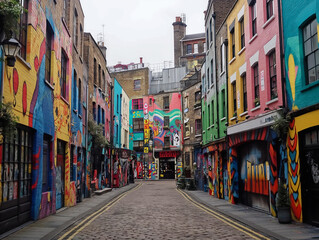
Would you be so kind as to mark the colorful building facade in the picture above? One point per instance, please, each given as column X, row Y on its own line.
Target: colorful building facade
column 300, row 27
column 36, row 158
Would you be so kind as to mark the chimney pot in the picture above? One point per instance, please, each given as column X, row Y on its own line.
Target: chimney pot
column 141, row 59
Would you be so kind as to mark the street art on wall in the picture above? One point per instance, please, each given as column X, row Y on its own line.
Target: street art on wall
column 294, row 172
column 156, row 123
column 179, row 169
column 152, row 171
column 263, row 134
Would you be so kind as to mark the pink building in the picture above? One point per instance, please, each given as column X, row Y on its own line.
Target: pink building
column 263, row 57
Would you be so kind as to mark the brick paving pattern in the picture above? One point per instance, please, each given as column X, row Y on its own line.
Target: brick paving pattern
column 157, row 211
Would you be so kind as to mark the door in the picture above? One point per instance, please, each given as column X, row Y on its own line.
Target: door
column 167, row 168
column 60, row 175
column 310, row 176
column 15, row 180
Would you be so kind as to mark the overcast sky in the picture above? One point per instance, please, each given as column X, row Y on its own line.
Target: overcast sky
column 140, row 28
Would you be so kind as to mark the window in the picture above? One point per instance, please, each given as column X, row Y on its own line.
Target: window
column 64, row 13
column 166, row 103
column 94, row 70
column 118, row 103
column 75, row 28
column 203, row 120
column 208, row 113
column 49, row 38
column 98, row 114
column 253, row 18
column 205, row 48
column 256, row 85
column 23, row 28
column 234, row 97
column 224, row 103
column 100, row 80
column 166, row 121
column 46, row 164
column 273, row 75
column 270, row 8
column 138, row 124
column 137, row 104
column 94, row 111
column 80, row 97
column 166, row 142
column 150, row 101
column 213, row 120
column 212, row 72
column 208, row 76
column 244, row 92
column 64, row 61
column 207, row 39
column 137, row 84
column 311, row 51
column 197, row 97
column 103, row 121
column 81, row 39
column 103, row 81
column 16, row 163
column 221, row 59
column 138, row 146
column 196, row 48
column 187, row 132
column 211, row 30
column 71, row 163
column 187, row 158
column 189, row 49
column 233, row 54
column 242, row 33
column 186, row 103
column 74, row 89
column 198, row 126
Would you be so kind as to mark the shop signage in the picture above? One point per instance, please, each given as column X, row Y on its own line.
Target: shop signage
column 167, row 154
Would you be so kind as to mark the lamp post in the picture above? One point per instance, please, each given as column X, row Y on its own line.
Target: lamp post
column 11, row 47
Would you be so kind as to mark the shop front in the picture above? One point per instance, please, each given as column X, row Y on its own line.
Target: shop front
column 167, row 164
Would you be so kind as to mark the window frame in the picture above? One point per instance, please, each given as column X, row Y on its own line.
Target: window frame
column 269, row 9
column 189, row 49
column 272, row 74
column 23, row 30
column 64, row 65
column 48, row 52
column 166, row 103
column 137, row 82
column 256, row 84
column 244, row 81
column 314, row 50
column 138, row 124
column 198, row 126
column 242, row 32
column 234, row 97
column 137, row 104
column 166, row 121
column 253, row 11
column 167, row 142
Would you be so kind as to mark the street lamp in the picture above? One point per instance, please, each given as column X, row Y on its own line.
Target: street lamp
column 11, row 47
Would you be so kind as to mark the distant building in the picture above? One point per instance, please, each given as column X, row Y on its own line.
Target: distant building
column 189, row 50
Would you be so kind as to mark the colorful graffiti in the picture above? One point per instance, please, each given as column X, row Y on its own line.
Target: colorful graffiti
column 262, row 134
column 294, row 172
column 232, row 167
column 152, row 171
column 179, row 169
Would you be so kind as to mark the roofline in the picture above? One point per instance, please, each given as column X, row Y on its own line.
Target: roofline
column 97, row 46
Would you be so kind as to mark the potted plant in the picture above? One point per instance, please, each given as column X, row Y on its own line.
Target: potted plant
column 10, row 13
column 257, row 102
column 283, row 205
column 8, row 119
column 235, row 114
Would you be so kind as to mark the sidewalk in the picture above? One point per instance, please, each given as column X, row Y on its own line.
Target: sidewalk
column 258, row 220
column 50, row 226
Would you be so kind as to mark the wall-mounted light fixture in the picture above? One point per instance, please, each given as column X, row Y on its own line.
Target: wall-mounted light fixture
column 11, row 47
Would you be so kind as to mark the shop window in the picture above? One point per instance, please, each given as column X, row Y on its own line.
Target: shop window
column 17, row 159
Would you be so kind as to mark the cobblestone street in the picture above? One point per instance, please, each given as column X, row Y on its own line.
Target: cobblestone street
column 157, row 211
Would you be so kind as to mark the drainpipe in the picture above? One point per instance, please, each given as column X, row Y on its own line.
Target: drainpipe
column 216, row 88
column 111, row 134
column 283, row 78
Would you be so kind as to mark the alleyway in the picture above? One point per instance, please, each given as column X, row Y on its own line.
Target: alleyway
column 154, row 210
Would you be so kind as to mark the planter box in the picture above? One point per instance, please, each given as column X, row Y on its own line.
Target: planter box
column 284, row 215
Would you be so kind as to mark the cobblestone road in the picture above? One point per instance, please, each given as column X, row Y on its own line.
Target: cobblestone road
column 157, row 211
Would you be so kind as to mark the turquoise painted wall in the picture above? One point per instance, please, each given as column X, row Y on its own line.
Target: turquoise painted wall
column 295, row 15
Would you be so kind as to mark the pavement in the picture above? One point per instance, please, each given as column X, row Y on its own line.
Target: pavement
column 256, row 219
column 52, row 225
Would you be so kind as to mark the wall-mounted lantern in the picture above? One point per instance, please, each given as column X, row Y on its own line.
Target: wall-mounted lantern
column 11, row 47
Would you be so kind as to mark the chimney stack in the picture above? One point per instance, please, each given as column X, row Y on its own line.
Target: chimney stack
column 179, row 32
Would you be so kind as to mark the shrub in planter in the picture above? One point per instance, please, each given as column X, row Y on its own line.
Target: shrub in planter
column 283, row 205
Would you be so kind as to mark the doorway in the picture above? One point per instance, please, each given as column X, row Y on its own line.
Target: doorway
column 167, row 168
column 60, row 170
column 309, row 169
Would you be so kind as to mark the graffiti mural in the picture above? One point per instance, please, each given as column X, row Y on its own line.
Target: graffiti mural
column 152, row 171
column 294, row 172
